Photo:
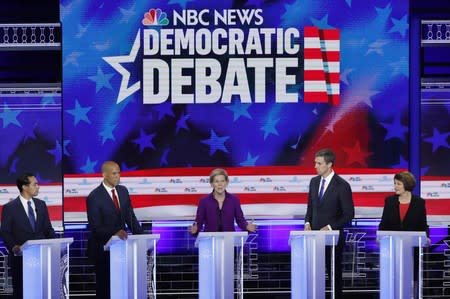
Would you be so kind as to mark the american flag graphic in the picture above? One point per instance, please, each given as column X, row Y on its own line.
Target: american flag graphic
column 322, row 55
column 264, row 192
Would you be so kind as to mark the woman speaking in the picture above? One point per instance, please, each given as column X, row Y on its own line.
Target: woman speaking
column 217, row 211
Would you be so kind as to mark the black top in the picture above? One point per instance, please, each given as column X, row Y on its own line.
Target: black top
column 415, row 218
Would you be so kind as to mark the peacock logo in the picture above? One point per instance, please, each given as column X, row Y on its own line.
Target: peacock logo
column 155, row 17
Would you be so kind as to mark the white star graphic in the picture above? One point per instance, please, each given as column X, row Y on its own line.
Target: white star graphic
column 377, row 46
column 115, row 62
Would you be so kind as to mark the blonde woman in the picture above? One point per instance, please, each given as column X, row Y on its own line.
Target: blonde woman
column 218, row 210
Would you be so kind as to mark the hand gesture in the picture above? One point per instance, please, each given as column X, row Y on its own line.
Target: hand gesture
column 17, row 250
column 193, row 229
column 251, row 227
column 123, row 235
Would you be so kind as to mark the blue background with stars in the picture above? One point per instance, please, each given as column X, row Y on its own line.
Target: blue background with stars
column 31, row 135
column 374, row 90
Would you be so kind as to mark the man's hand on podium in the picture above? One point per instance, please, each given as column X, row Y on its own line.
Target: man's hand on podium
column 193, row 228
column 326, row 227
column 251, row 227
column 123, row 235
column 17, row 250
column 307, row 226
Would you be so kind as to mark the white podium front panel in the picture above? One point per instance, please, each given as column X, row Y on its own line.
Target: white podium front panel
column 397, row 263
column 308, row 262
column 216, row 263
column 46, row 268
column 128, row 266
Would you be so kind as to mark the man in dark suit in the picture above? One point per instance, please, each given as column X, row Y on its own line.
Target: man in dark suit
column 330, row 207
column 108, row 208
column 24, row 218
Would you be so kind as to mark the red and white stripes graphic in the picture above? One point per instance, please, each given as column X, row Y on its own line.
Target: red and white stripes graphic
column 321, row 69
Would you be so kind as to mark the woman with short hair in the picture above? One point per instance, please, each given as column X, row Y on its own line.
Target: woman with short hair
column 217, row 211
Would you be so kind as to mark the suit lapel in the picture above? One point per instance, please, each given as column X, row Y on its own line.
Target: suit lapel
column 316, row 187
column 121, row 193
column 409, row 211
column 107, row 197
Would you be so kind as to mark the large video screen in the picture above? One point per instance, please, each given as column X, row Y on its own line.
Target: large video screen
column 172, row 89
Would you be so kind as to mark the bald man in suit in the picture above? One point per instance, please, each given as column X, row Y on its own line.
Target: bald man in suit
column 109, row 209
column 330, row 207
column 24, row 218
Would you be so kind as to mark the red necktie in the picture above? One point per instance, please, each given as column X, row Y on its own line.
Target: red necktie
column 115, row 200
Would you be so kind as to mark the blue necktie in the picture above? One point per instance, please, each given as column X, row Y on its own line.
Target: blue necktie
column 31, row 216
column 321, row 190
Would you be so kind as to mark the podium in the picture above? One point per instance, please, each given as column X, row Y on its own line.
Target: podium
column 216, row 264
column 128, row 264
column 46, row 268
column 397, row 262
column 308, row 262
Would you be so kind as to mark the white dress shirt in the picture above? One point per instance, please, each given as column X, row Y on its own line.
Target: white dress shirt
column 109, row 189
column 25, row 205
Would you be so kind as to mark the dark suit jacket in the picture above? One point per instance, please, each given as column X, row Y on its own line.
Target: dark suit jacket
column 16, row 228
column 336, row 207
column 415, row 218
column 104, row 221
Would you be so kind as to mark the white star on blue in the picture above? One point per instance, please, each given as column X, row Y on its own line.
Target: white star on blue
column 144, row 141
column 10, row 117
column 101, row 80
column 269, row 127
column 56, row 152
column 79, row 113
column 88, row 167
column 127, row 14
column 181, row 123
column 239, row 110
column 107, row 133
column 250, row 160
column 438, row 140
column 72, row 59
column 216, row 143
column 400, row 26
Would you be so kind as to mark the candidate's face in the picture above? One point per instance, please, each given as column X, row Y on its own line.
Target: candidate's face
column 399, row 187
column 219, row 184
column 32, row 189
column 111, row 175
column 322, row 167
